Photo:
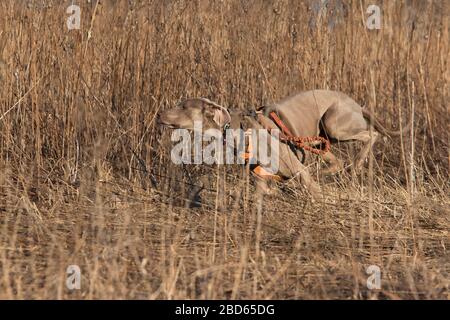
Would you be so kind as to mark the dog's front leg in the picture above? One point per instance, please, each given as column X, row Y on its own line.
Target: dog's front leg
column 290, row 166
column 334, row 165
column 309, row 183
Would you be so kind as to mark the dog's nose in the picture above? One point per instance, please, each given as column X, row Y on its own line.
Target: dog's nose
column 165, row 120
column 162, row 119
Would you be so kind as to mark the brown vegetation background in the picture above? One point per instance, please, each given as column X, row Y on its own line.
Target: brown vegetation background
column 85, row 171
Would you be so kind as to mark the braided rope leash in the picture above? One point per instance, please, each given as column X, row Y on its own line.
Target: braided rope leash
column 301, row 142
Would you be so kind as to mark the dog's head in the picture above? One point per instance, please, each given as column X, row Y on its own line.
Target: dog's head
column 210, row 114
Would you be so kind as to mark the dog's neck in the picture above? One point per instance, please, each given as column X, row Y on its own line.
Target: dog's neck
column 251, row 120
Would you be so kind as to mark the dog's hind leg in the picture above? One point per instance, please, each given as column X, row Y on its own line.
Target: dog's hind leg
column 368, row 140
column 345, row 122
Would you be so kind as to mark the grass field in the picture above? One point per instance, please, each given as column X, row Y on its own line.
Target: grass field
column 85, row 171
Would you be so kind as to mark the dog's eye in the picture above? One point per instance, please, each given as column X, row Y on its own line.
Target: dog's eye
column 226, row 126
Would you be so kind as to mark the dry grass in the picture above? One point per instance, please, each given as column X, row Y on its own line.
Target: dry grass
column 86, row 176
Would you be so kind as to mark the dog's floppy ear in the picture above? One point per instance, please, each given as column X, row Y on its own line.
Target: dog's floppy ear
column 217, row 113
column 221, row 116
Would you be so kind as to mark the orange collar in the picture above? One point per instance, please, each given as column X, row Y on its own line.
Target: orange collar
column 258, row 170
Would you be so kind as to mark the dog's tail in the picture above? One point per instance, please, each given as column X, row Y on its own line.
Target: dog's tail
column 377, row 124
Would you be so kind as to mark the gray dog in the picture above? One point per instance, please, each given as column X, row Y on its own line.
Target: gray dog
column 305, row 114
